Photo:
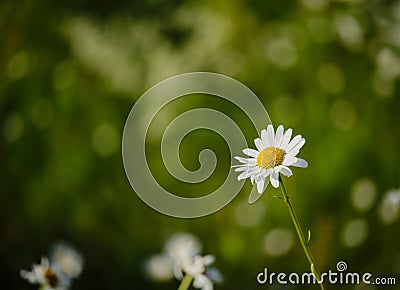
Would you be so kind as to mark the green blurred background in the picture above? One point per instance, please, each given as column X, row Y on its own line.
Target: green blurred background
column 71, row 71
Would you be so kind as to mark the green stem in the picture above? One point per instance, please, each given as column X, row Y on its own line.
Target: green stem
column 313, row 265
column 185, row 284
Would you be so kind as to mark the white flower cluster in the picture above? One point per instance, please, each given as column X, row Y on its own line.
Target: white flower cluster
column 57, row 272
column 182, row 256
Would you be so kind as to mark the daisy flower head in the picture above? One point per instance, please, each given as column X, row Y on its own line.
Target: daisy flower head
column 57, row 272
column 182, row 257
column 182, row 248
column 276, row 151
column 49, row 278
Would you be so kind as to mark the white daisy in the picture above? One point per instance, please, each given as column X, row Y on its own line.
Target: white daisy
column 184, row 251
column 46, row 276
column 55, row 274
column 182, row 248
column 275, row 152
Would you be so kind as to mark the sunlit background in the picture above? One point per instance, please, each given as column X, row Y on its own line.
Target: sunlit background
column 71, row 71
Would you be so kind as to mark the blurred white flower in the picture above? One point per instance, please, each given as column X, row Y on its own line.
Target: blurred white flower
column 47, row 277
column 176, row 241
column 55, row 274
column 203, row 276
column 389, row 209
column 182, row 255
column 159, row 268
column 67, row 260
column 182, row 248
column 275, row 152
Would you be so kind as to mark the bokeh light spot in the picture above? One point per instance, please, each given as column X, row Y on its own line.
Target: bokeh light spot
column 343, row 114
column 289, row 109
column 349, row 30
column 42, row 113
column 384, row 88
column 18, row 65
column 321, row 29
column 331, row 78
column 64, row 76
column 13, row 127
column 315, row 5
column 389, row 208
column 354, row 232
column 249, row 215
column 363, row 195
column 105, row 140
column 278, row 242
column 388, row 63
column 281, row 52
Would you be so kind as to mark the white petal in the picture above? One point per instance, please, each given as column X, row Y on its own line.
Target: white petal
column 235, row 166
column 250, row 172
column 242, row 168
column 260, row 185
column 286, row 138
column 214, row 275
column 249, row 161
column 286, row 171
column 243, row 175
column 264, row 139
column 279, row 136
column 208, row 259
column 300, row 163
column 252, row 178
column 251, row 152
column 264, row 172
column 288, row 160
column 256, row 170
column 202, row 282
column 293, row 143
column 271, row 136
column 246, row 168
column 258, row 144
column 295, row 150
column 252, row 162
column 274, row 179
column 177, row 270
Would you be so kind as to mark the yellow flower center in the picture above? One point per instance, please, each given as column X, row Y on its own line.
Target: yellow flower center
column 270, row 157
